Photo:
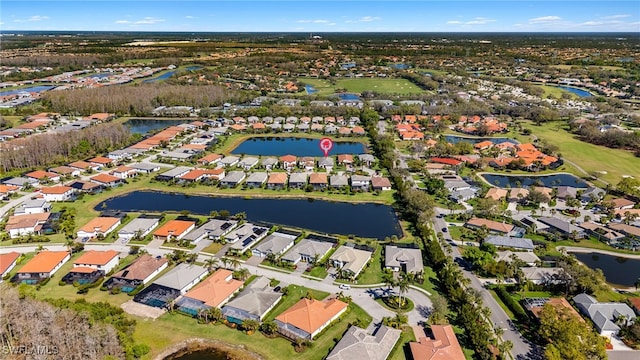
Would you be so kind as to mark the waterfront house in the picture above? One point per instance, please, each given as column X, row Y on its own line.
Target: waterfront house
column 229, row 161
column 277, row 181
column 359, row 182
column 308, row 317
column 318, row 181
column 268, row 163
column 257, row 179
column 213, row 229
column 297, row 180
column 233, row 178
column 326, row 162
column 100, row 226
column 248, row 162
column 276, row 243
column 307, row 250
column 140, row 226
column 174, row 230
column 350, row 259
column 380, row 183
column 213, row 291
column 338, row 181
column 562, row 228
column 288, row 162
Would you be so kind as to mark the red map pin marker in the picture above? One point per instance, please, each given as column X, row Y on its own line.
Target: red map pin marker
column 326, row 145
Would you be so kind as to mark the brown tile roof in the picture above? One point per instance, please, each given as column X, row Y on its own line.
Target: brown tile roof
column 82, row 269
column 491, row 225
column 216, row 288
column 310, row 315
column 277, row 178
column 40, row 174
column 377, row 181
column 102, row 224
column 4, row 189
column 444, row 345
column 288, row 158
column 209, row 158
column 558, row 304
column 635, row 303
column 318, row 178
column 55, row 189
column 174, row 227
column 63, row 170
column 105, row 178
column 121, row 169
column 496, row 193
column 44, row 262
column 101, row 160
column 345, row 158
column 621, row 202
column 94, row 257
column 80, row 165
column 6, row 260
column 142, row 267
column 25, row 221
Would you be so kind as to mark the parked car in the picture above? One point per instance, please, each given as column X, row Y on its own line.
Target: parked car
column 444, row 229
column 344, row 286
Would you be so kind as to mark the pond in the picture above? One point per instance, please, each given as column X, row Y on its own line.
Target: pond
column 279, row 146
column 617, row 270
column 169, row 74
column 579, row 92
column 454, row 139
column 203, row 354
column 345, row 96
column 145, row 126
column 34, row 89
column 528, row 180
column 310, row 89
column 362, row 219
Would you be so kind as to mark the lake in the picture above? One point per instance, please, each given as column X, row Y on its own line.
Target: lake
column 34, row 89
column 345, row 96
column 579, row 92
column 145, row 126
column 279, row 146
column 169, row 74
column 527, row 180
column 617, row 270
column 310, row 89
column 454, row 139
column 363, row 219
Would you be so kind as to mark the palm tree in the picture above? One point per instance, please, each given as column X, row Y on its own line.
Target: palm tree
column 269, row 327
column 387, row 278
column 250, row 325
column 234, row 262
column 214, row 314
column 403, row 288
column 505, row 347
column 243, row 274
column 225, row 262
column 211, row 263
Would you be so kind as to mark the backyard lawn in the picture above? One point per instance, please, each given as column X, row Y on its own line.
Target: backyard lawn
column 383, row 86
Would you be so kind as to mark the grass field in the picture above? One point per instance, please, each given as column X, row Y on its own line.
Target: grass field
column 383, row 86
column 590, row 157
column 555, row 92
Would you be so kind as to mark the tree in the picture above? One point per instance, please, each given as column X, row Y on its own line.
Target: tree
column 440, row 310
column 234, row 262
column 211, row 263
column 403, row 288
column 242, row 274
column 250, row 325
column 269, row 327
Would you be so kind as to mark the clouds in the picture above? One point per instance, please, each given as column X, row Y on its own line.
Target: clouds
column 364, row 19
column 474, row 21
column 32, row 19
column 545, row 20
column 145, row 21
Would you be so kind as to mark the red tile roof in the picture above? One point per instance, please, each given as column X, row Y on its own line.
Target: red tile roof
column 215, row 289
column 443, row 346
column 44, row 262
column 94, row 257
column 311, row 315
column 6, row 260
column 446, row 161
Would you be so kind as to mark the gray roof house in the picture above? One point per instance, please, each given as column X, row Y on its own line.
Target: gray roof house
column 32, row 206
column 566, row 191
column 143, row 226
column 248, row 162
column 20, row 181
column 338, row 181
column 367, row 159
column 510, row 242
column 213, row 229
column 326, row 162
column 174, row 173
column 269, row 162
column 462, row 195
column 145, row 167
column 592, row 193
column 358, row 343
column 603, row 315
column 183, row 277
column 233, row 178
column 229, row 161
column 408, row 260
column 245, row 236
column 306, row 250
column 360, row 182
column 254, row 302
column 297, row 180
column 256, row 179
column 276, row 243
column 527, row 257
column 350, row 259
column 562, row 227
column 538, row 275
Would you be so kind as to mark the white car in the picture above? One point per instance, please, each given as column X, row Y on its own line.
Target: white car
column 345, row 287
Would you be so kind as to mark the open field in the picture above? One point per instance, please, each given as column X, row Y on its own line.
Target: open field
column 590, row 157
column 383, row 86
column 555, row 92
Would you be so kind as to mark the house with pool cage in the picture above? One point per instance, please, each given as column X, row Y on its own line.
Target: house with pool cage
column 214, row 291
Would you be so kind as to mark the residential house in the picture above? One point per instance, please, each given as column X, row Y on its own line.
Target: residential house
column 145, row 168
column 252, row 303
column 496, row 194
column 268, row 163
column 7, row 262
column 462, row 195
column 26, row 224
column 317, row 180
column 367, row 159
column 277, row 181
column 350, row 259
column 535, row 306
column 622, row 204
column 83, row 166
column 210, row 159
column 43, row 176
column 379, row 183
column 233, row 178
column 565, row 192
column 101, row 162
column 541, row 275
column 526, row 257
column 104, row 261
column 443, row 345
column 297, row 180
column 518, row 194
column 603, row 315
column 358, row 343
column 86, row 187
column 326, row 163
column 229, row 161
column 41, row 267
column 57, row 193
column 140, row 227
column 562, row 228
column 407, row 260
column 100, row 226
column 20, row 182
column 124, row 172
column 345, row 159
column 592, row 194
column 510, row 242
column 308, row 317
column 276, row 243
column 308, row 163
column 107, row 180
column 7, row 190
column 174, row 230
column 32, row 206
column 245, row 236
column 338, row 181
column 248, row 162
column 632, row 232
column 213, row 291
column 171, row 285
column 288, row 162
column 492, row 226
column 66, row 171
column 256, row 179
column 203, row 174
column 307, row 250
column 602, row 233
column 214, row 229
column 141, row 271
column 359, row 182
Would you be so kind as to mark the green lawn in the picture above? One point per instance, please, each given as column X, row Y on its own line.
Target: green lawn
column 590, row 157
column 213, row 248
column 295, row 294
column 383, row 86
column 318, row 271
column 398, row 352
column 502, row 305
column 555, row 92
column 372, row 273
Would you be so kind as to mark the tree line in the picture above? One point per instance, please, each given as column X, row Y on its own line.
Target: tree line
column 52, row 149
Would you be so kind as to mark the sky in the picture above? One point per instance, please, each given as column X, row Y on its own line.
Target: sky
column 322, row 15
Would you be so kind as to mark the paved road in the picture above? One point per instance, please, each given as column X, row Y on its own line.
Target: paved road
column 522, row 348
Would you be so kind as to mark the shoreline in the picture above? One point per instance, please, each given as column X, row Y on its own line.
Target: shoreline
column 231, row 351
column 228, row 148
column 576, row 249
column 479, row 174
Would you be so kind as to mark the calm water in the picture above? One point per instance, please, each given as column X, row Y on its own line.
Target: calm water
column 348, row 97
column 617, row 270
column 545, row 180
column 35, row 89
column 310, row 89
column 207, row 354
column 278, row 146
column 364, row 219
column 579, row 92
column 169, row 74
column 453, row 139
column 145, row 126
